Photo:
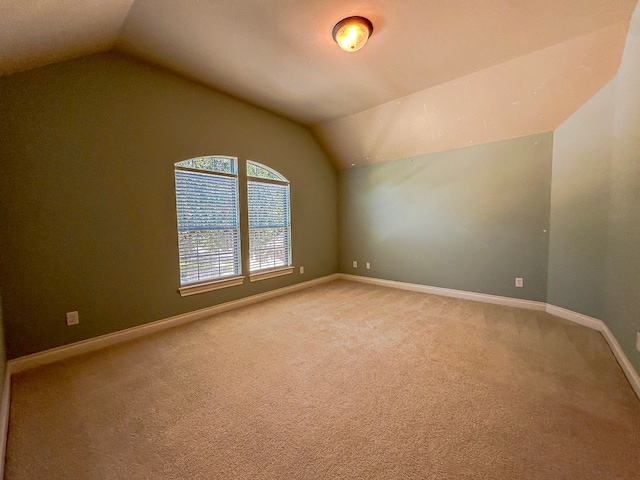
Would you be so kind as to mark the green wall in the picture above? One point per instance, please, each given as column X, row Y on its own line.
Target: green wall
column 3, row 352
column 622, row 287
column 87, row 202
column 594, row 260
column 580, row 194
column 469, row 219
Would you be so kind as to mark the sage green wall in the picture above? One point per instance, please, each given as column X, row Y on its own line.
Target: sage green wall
column 594, row 261
column 580, row 207
column 623, row 253
column 469, row 219
column 3, row 352
column 87, row 201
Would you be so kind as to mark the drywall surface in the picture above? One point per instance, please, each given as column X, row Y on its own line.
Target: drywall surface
column 3, row 351
column 530, row 94
column 595, row 211
column 469, row 219
column 87, row 195
column 622, row 287
column 580, row 207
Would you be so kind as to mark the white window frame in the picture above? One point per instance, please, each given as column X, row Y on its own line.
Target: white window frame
column 186, row 209
column 280, row 186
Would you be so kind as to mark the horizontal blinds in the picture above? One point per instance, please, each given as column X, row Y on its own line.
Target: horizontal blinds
column 269, row 225
column 208, row 226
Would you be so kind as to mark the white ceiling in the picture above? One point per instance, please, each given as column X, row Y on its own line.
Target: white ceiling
column 279, row 54
column 34, row 33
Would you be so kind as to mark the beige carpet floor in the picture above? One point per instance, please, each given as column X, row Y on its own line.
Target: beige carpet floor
column 342, row 380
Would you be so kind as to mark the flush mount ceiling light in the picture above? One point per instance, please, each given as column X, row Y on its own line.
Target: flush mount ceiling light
column 352, row 33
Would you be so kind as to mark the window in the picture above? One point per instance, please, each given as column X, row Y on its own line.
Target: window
column 209, row 230
column 269, row 222
column 208, row 223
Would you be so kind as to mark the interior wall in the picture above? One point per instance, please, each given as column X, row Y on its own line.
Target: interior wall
column 3, row 352
column 622, row 287
column 469, row 219
column 595, row 217
column 87, row 199
column 580, row 195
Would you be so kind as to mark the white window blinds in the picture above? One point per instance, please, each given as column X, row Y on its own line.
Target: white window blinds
column 269, row 218
column 208, row 219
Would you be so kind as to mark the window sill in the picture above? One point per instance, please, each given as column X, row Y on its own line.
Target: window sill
column 276, row 272
column 209, row 286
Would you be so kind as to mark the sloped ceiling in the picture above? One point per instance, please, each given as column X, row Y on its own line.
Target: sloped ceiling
column 435, row 75
column 34, row 33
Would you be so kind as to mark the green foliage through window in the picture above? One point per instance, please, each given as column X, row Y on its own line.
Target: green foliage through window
column 210, row 164
column 257, row 170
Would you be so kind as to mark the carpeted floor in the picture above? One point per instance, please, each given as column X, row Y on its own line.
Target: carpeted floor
column 342, row 380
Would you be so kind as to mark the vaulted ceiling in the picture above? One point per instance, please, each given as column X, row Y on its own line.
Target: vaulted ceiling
column 434, row 76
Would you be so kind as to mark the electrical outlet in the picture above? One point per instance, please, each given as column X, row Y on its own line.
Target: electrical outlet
column 355, row 264
column 638, row 341
column 301, row 269
column 519, row 282
column 73, row 318
column 368, row 266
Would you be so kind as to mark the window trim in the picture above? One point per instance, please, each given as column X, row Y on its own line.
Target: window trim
column 242, row 201
column 270, row 273
column 215, row 283
column 208, row 286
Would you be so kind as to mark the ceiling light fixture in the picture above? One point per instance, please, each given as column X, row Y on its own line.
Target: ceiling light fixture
column 352, row 33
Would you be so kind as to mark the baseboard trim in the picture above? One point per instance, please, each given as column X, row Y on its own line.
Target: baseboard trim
column 50, row 356
column 60, row 353
column 66, row 351
column 449, row 292
column 575, row 317
column 596, row 324
column 623, row 360
column 4, row 419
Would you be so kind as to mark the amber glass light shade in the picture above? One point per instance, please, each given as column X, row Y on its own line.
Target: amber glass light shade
column 352, row 33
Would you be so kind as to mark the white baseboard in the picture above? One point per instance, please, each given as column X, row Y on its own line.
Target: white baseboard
column 625, row 364
column 4, row 419
column 570, row 315
column 602, row 327
column 448, row 292
column 576, row 317
column 49, row 356
column 66, row 351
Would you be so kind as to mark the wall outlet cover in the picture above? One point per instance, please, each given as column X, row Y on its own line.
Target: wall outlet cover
column 519, row 282
column 73, row 318
column 355, row 264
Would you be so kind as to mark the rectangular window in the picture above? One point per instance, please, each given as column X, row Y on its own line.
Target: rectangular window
column 208, row 219
column 269, row 224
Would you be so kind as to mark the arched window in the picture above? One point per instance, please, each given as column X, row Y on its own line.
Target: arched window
column 208, row 223
column 269, row 219
column 209, row 230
